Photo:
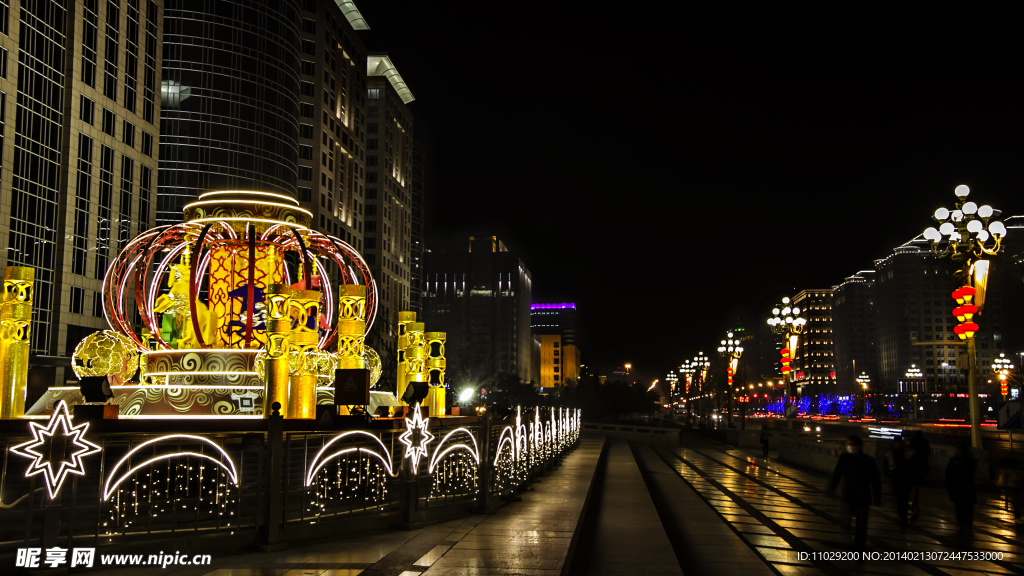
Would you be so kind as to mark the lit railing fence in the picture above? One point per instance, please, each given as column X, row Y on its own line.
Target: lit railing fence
column 265, row 487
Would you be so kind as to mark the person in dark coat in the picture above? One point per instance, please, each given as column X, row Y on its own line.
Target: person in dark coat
column 922, row 450
column 862, row 486
column 899, row 468
column 960, row 485
column 764, row 440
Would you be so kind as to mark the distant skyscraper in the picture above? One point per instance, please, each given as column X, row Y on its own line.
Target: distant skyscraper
column 230, row 93
column 387, row 232
column 481, row 297
column 814, row 358
column 78, row 124
column 332, row 119
column 555, row 325
column 419, row 194
column 855, row 319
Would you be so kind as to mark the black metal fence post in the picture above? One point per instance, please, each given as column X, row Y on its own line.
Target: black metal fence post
column 270, row 531
column 486, row 469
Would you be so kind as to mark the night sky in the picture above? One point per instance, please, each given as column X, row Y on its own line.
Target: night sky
column 674, row 172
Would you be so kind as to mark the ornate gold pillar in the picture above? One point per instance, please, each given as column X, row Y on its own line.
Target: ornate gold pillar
column 402, row 379
column 351, row 325
column 415, row 357
column 279, row 328
column 305, row 309
column 435, row 365
column 15, row 329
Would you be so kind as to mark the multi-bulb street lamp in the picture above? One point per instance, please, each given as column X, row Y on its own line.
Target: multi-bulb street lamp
column 865, row 383
column 913, row 383
column 1001, row 366
column 731, row 351
column 786, row 320
column 687, row 370
column 968, row 236
column 700, row 364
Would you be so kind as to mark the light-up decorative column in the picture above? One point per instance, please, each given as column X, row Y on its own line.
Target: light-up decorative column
column 15, row 329
column 305, row 309
column 435, row 365
column 351, row 326
column 402, row 380
column 279, row 329
column 415, row 356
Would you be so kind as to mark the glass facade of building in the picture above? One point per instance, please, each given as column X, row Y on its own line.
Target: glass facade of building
column 78, row 107
column 230, row 99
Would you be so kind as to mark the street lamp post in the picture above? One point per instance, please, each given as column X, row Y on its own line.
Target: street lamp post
column 787, row 320
column 912, row 378
column 700, row 370
column 865, row 382
column 968, row 236
column 731, row 351
column 1001, row 366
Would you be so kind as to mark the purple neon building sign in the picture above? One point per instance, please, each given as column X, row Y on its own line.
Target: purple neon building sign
column 559, row 306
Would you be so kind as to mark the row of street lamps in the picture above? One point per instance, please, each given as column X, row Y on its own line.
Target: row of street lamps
column 969, row 236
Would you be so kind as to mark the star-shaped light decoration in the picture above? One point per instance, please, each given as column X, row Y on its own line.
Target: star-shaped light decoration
column 57, row 449
column 416, row 437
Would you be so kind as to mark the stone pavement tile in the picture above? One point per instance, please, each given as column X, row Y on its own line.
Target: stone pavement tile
column 429, row 558
column 490, row 571
column 341, row 572
column 795, row 570
column 704, row 543
column 628, row 529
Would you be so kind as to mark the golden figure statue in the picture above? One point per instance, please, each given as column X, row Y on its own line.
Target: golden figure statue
column 176, row 323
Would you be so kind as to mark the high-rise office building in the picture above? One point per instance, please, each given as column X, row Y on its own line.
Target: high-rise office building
column 332, row 119
column 813, row 363
column 855, row 321
column 230, row 93
column 481, row 297
column 78, row 107
column 555, row 325
column 387, row 227
column 419, row 193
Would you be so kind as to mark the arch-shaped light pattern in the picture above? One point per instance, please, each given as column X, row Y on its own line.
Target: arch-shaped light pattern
column 108, row 488
column 438, row 453
column 317, row 463
column 502, row 440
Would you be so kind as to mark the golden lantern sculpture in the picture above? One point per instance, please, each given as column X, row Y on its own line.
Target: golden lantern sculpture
column 351, row 326
column 106, row 353
column 402, row 380
column 435, row 364
column 236, row 299
column 371, row 360
column 279, row 330
column 304, row 308
column 415, row 357
column 15, row 330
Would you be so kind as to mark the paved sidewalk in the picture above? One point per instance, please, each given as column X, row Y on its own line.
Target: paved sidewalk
column 530, row 538
column 629, row 538
column 781, row 511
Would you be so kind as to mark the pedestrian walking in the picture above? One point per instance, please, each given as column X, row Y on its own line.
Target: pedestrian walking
column 899, row 469
column 862, row 487
column 960, row 485
column 921, row 451
column 765, row 438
